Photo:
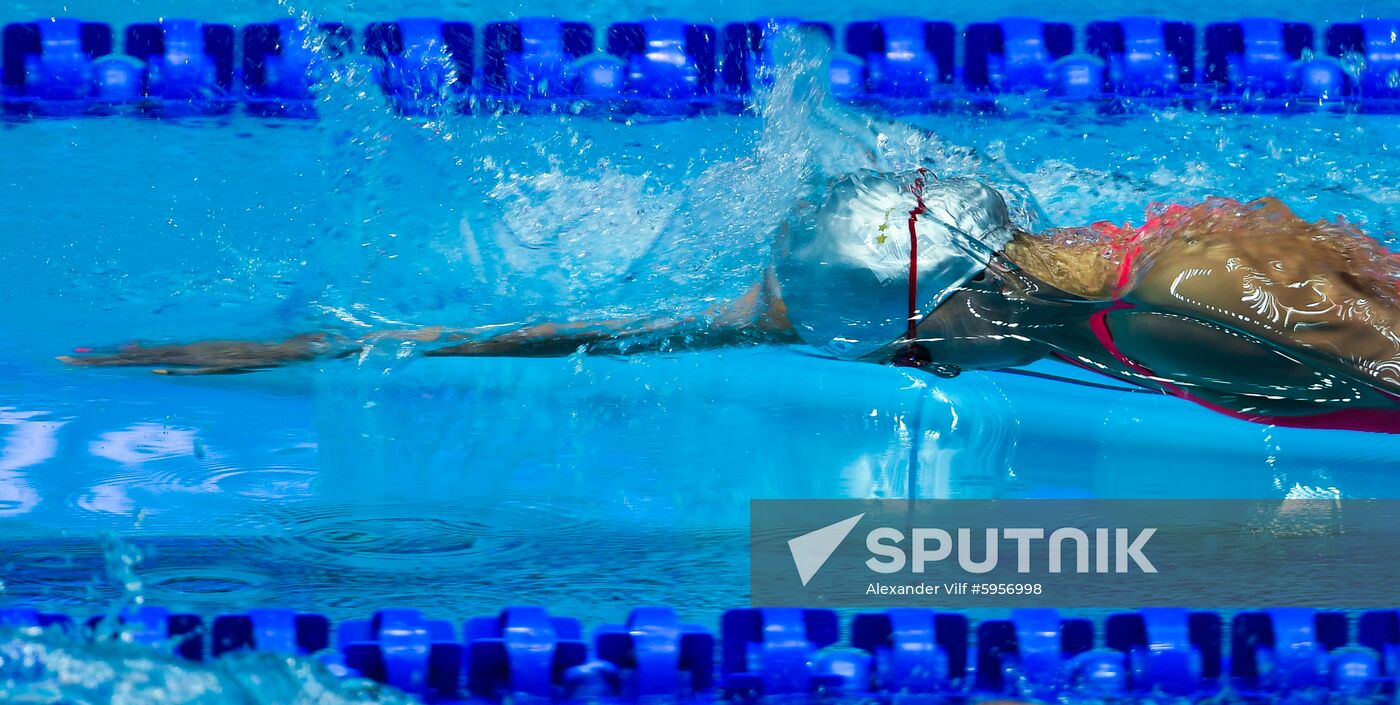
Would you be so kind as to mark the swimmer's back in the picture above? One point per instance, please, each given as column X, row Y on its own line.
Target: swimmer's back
column 1276, row 303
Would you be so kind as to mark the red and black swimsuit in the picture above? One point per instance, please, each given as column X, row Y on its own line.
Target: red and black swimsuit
column 1378, row 420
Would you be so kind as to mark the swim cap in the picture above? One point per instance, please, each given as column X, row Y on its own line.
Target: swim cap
column 844, row 265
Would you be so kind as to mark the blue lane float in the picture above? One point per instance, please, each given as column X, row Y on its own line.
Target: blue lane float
column 675, row 68
column 913, row 651
column 525, row 652
column 1379, row 631
column 655, row 654
column 29, row 618
column 424, row 65
column 1015, row 55
column 1169, row 650
column 670, row 65
column 1374, row 45
column 1297, row 649
column 909, row 62
column 1264, row 63
column 403, row 649
column 774, row 651
column 49, row 66
column 189, row 65
column 183, row 633
column 1035, row 650
column 1144, row 57
column 272, row 630
column 532, row 62
column 284, row 60
column 748, row 62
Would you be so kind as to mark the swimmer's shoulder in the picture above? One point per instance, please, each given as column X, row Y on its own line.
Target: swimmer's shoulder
column 1077, row 261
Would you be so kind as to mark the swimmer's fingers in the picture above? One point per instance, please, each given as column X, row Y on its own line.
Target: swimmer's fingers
column 180, row 355
column 114, row 360
column 123, row 360
column 104, row 355
column 216, row 354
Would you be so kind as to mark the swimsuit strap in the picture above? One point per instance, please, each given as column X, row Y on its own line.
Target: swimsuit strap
column 1126, row 241
column 913, row 354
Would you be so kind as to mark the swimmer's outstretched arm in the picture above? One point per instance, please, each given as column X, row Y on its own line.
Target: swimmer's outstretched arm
column 759, row 317
column 546, row 340
column 615, row 337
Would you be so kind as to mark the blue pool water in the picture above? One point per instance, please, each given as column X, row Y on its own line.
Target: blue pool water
column 588, row 484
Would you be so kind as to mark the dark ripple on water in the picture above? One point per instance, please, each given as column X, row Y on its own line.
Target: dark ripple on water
column 452, row 559
column 214, row 586
column 376, row 533
column 383, row 534
column 58, row 571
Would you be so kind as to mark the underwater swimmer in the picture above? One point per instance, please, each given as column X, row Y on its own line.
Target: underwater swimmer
column 1241, row 307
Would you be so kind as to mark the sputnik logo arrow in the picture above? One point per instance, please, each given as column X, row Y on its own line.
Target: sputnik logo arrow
column 811, row 550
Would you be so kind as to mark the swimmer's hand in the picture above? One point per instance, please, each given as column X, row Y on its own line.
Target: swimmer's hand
column 218, row 356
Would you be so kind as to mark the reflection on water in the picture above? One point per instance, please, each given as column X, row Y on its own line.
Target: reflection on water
column 592, row 485
column 31, row 440
column 142, row 443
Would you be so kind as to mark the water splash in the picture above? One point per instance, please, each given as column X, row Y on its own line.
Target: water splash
column 52, row 666
column 122, row 558
column 558, row 218
column 106, row 664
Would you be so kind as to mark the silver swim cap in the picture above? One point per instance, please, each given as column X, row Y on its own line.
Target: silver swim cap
column 844, row 265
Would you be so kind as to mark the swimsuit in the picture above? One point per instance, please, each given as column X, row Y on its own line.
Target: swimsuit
column 1128, row 241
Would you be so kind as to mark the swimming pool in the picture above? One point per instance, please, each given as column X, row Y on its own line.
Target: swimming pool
column 590, row 485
